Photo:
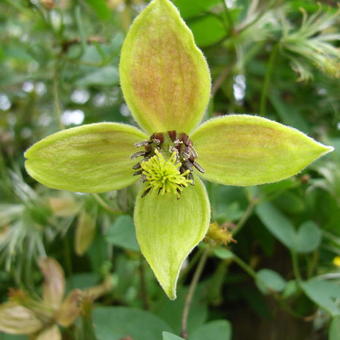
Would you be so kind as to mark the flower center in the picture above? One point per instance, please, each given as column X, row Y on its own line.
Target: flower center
column 167, row 164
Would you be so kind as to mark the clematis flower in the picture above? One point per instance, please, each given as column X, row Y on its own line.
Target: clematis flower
column 166, row 83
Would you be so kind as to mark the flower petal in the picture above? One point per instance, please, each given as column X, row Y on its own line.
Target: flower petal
column 250, row 150
column 164, row 76
column 168, row 229
column 16, row 319
column 54, row 281
column 51, row 333
column 89, row 158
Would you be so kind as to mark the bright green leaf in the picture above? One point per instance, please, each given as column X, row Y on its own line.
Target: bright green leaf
column 169, row 336
column 323, row 293
column 269, row 281
column 208, row 30
column 217, row 330
column 169, row 228
column 122, row 233
column 101, row 8
column 164, row 76
column 249, row 150
column 334, row 329
column 115, row 323
column 190, row 8
column 90, row 158
column 308, row 237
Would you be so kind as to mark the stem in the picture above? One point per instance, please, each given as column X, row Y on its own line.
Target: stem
column 296, row 268
column 143, row 288
column 245, row 217
column 190, row 295
column 245, row 267
column 57, row 105
column 191, row 264
column 104, row 205
column 270, row 66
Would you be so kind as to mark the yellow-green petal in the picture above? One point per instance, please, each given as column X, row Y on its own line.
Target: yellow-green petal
column 164, row 76
column 90, row 158
column 168, row 229
column 249, row 150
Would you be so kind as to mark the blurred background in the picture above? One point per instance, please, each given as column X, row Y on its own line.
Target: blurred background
column 279, row 280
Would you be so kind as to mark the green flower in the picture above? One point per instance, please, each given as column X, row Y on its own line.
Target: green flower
column 166, row 83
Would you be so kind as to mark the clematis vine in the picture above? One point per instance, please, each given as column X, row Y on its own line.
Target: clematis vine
column 166, row 83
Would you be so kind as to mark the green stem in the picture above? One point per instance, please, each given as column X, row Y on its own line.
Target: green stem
column 296, row 268
column 267, row 79
column 245, row 217
column 104, row 205
column 56, row 96
column 143, row 287
column 245, row 267
column 190, row 295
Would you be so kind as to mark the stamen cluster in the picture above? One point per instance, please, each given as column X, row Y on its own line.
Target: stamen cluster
column 168, row 162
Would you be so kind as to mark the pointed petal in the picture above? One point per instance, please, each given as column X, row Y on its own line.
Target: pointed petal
column 85, row 232
column 250, row 150
column 16, row 319
column 164, row 76
column 168, row 229
column 51, row 333
column 89, row 158
column 54, row 281
column 70, row 308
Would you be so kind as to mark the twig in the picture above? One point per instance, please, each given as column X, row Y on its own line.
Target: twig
column 190, row 295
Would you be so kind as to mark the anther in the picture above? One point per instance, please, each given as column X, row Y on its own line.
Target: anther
column 136, row 166
column 138, row 154
column 198, row 167
column 172, row 134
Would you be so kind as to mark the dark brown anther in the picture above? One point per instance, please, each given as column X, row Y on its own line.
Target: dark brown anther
column 136, row 166
column 198, row 167
column 138, row 154
column 184, row 138
column 144, row 143
column 158, row 138
column 137, row 173
column 146, row 192
column 172, row 134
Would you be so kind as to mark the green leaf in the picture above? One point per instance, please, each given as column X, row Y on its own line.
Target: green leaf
column 101, row 8
column 323, row 293
column 269, row 281
column 164, row 76
column 334, row 329
column 223, row 253
column 208, row 30
column 89, row 158
column 278, row 224
column 193, row 8
column 305, row 240
column 122, row 233
column 217, row 330
column 104, row 76
column 169, row 228
column 169, row 336
column 115, row 323
column 249, row 150
column 308, row 237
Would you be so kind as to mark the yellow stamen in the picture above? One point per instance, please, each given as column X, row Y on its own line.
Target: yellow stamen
column 163, row 174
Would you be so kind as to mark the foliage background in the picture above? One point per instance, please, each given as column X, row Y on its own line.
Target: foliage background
column 281, row 279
